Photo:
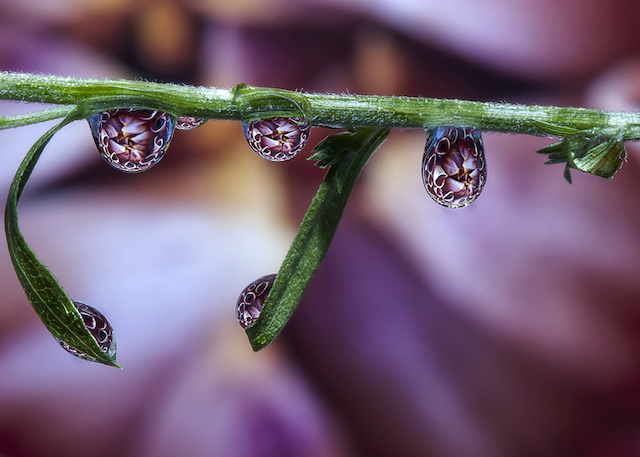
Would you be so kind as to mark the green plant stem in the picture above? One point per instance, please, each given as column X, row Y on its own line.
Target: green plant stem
column 593, row 142
column 343, row 111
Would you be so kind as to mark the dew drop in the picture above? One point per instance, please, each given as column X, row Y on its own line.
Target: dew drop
column 454, row 167
column 189, row 123
column 98, row 326
column 277, row 138
column 132, row 140
column 252, row 299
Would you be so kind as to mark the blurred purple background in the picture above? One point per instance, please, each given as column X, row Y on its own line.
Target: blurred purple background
column 508, row 328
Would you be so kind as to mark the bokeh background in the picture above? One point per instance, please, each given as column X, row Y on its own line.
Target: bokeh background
column 508, row 328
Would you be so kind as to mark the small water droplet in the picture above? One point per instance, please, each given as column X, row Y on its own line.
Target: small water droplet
column 132, row 140
column 252, row 299
column 277, row 138
column 189, row 123
column 454, row 167
column 98, row 326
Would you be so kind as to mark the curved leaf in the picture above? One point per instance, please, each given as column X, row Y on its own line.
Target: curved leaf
column 51, row 303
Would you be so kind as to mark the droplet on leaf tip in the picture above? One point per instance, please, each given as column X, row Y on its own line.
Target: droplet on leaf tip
column 278, row 138
column 132, row 140
column 100, row 329
column 454, row 167
column 252, row 300
column 189, row 123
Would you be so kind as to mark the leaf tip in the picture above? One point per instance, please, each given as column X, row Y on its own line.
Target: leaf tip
column 567, row 173
column 112, row 363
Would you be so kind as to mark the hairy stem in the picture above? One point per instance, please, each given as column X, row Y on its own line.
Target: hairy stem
column 593, row 142
column 347, row 111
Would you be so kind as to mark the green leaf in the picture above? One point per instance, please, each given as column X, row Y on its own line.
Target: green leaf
column 567, row 173
column 316, row 231
column 604, row 159
column 341, row 148
column 51, row 303
column 333, row 150
column 598, row 156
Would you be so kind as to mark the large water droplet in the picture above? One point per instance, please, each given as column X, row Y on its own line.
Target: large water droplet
column 99, row 327
column 277, row 138
column 132, row 140
column 454, row 167
column 252, row 299
column 189, row 123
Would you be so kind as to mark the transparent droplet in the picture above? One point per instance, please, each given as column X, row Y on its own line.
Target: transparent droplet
column 132, row 140
column 454, row 167
column 98, row 326
column 188, row 123
column 252, row 299
column 277, row 138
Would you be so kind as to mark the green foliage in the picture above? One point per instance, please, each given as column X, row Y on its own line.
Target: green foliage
column 593, row 142
column 352, row 151
column 600, row 157
column 50, row 301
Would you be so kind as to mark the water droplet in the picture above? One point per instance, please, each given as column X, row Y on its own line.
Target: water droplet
column 188, row 123
column 454, row 166
column 252, row 299
column 99, row 327
column 132, row 140
column 277, row 138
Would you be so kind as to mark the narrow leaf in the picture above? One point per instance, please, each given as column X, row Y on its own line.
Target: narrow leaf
column 567, row 173
column 316, row 231
column 333, row 149
column 51, row 303
column 340, row 149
